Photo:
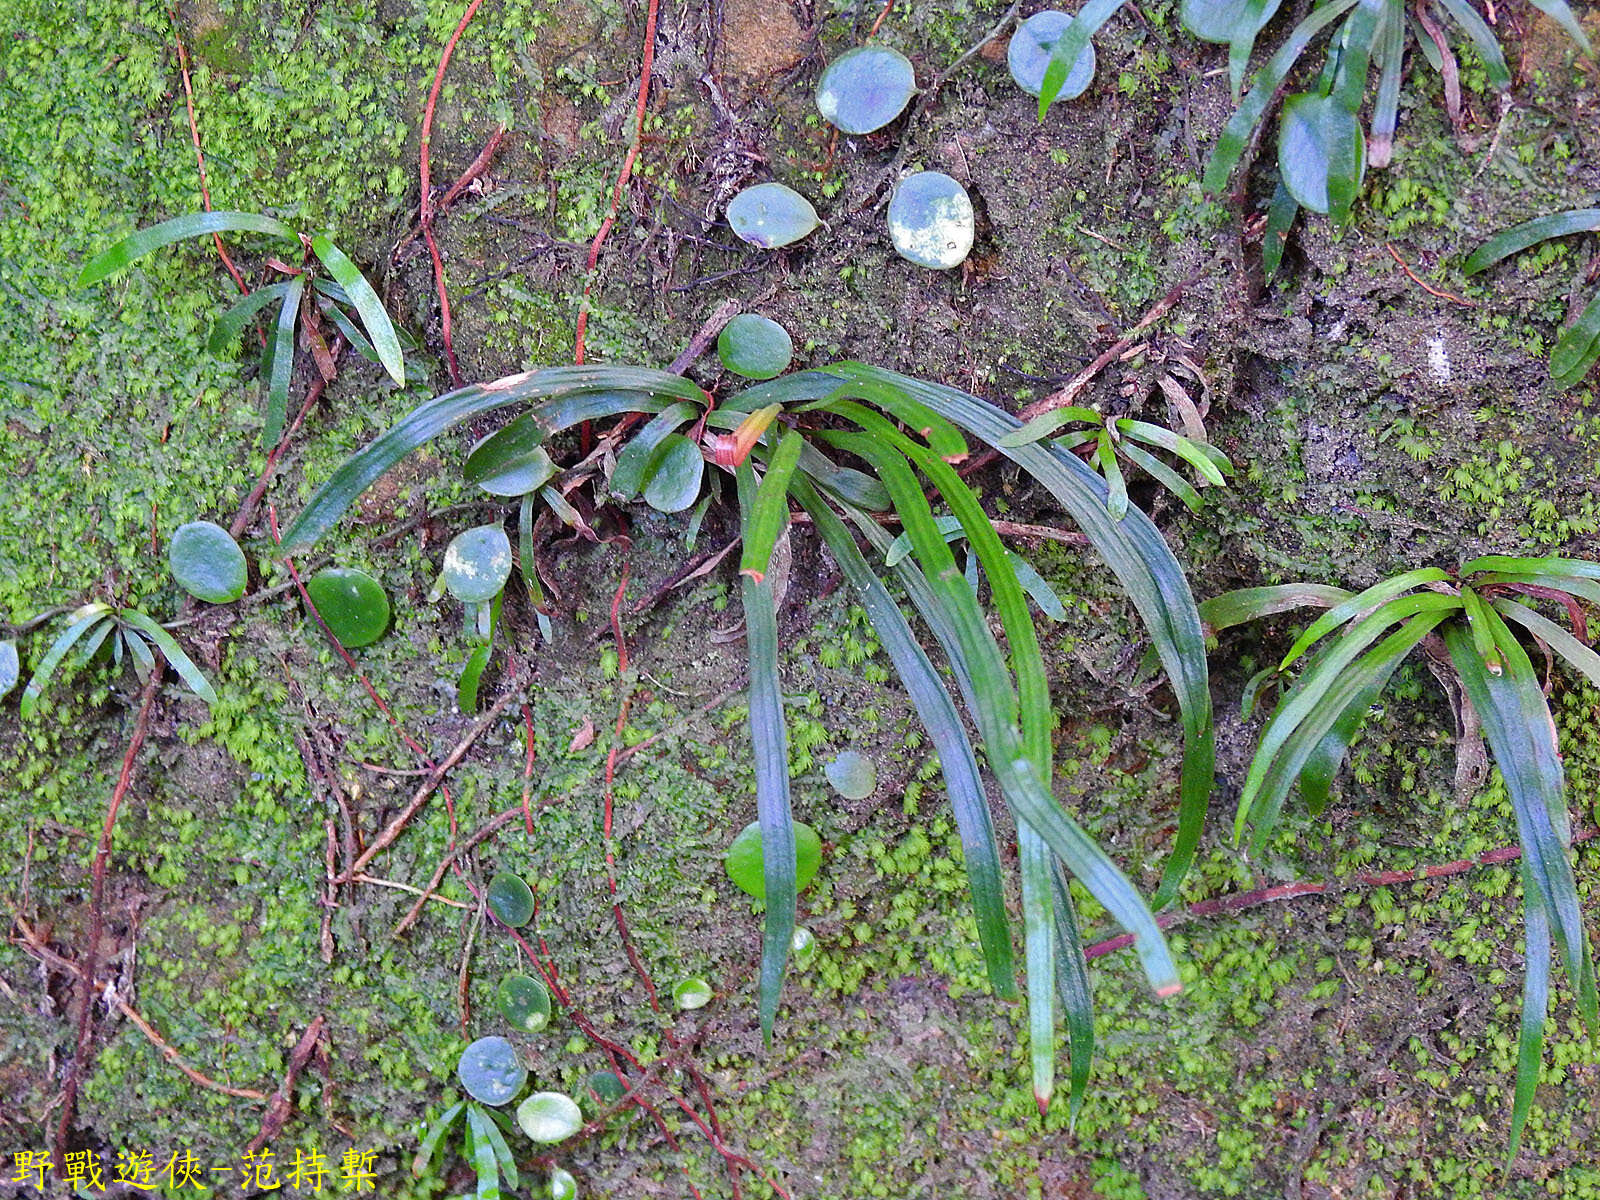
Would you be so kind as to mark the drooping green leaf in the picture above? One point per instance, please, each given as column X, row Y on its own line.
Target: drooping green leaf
column 373, row 315
column 477, row 563
column 1163, row 474
column 525, row 1002
column 1519, row 237
column 510, row 899
column 1563, row 15
column 1047, row 423
column 1577, row 655
column 1578, row 347
column 549, row 1117
column 207, row 562
column 931, row 220
column 1212, row 463
column 435, row 1134
column 171, row 651
column 1321, row 154
column 755, row 347
column 280, row 361
column 1536, row 960
column 864, row 89
column 1390, row 53
column 1072, row 986
column 746, row 862
column 1316, row 777
column 1357, row 40
column 153, row 237
column 770, row 215
column 673, row 477
column 78, row 623
column 1483, row 40
column 481, row 1152
column 1105, row 461
column 1251, row 604
column 1363, row 602
column 1039, row 959
column 491, row 1072
column 472, row 676
column 942, row 435
column 490, row 1132
column 352, row 604
column 769, row 511
column 1281, row 213
column 225, row 332
column 769, row 740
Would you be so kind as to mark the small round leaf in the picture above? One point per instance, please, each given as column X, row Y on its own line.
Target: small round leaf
column 207, row 562
column 602, row 1089
column 931, row 220
column 692, row 993
column 1224, row 20
column 549, row 1116
column 477, row 564
column 10, row 668
column 1321, row 153
column 672, row 480
column 802, row 947
column 491, row 1071
column 770, row 215
column 744, row 860
column 510, row 461
column 853, row 775
column 1029, row 55
column 865, row 88
column 562, row 1185
column 524, row 1001
column 755, row 347
column 352, row 603
column 510, row 899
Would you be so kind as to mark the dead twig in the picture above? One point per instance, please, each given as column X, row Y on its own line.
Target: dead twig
column 1423, row 283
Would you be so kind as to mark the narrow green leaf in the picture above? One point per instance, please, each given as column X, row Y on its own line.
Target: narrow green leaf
column 1578, row 348
column 634, row 459
column 144, row 658
column 280, row 362
column 769, row 739
column 490, row 1131
column 1105, row 458
column 366, row 302
column 1520, row 237
column 1563, row 16
column 846, row 483
column 1072, row 985
column 1483, row 38
column 1359, row 36
column 1047, row 423
column 1390, row 52
column 957, row 760
column 769, row 512
column 79, row 623
column 1039, row 947
column 568, row 396
column 1264, row 87
column 525, row 556
column 225, row 331
column 358, row 340
column 1316, row 777
column 481, row 1150
column 153, row 237
column 1363, row 602
column 1577, row 655
column 1251, row 604
column 435, row 1134
column 1212, row 463
column 171, row 651
column 1535, row 1004
column 1577, row 568
column 1478, row 625
column 941, row 435
column 1085, row 24
column 92, row 643
column 471, row 675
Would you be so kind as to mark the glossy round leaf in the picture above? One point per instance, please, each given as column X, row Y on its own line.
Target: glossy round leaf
column 692, row 993
column 770, row 215
column 352, row 603
column 1321, row 153
column 802, row 948
column 491, row 1071
column 603, row 1089
column 10, row 668
column 672, row 480
column 865, row 88
column 931, row 220
column 755, row 347
column 853, row 775
column 1028, row 56
column 207, row 562
column 562, row 1185
column 477, row 564
column 510, row 461
column 524, row 1001
column 549, row 1117
column 510, row 900
column 1224, row 21
column 744, row 860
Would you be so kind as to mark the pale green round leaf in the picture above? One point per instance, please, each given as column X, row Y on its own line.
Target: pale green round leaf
column 207, row 562
column 510, row 899
column 802, row 948
column 755, row 347
column 1321, row 153
column 931, row 220
column 770, row 215
column 562, row 1185
column 510, row 461
column 852, row 774
column 491, row 1071
column 477, row 564
column 549, row 1117
column 1223, row 21
column 1028, row 56
column 601, row 1089
column 692, row 993
column 672, row 480
column 745, row 864
column 352, row 603
column 865, row 88
column 10, row 668
column 525, row 1001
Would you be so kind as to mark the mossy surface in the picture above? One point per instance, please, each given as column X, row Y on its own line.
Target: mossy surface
column 1356, row 1044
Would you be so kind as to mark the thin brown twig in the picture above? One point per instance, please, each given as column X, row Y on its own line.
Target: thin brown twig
column 200, row 159
column 1423, row 283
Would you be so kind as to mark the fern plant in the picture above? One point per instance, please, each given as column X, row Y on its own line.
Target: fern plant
column 1470, row 618
column 337, row 292
column 1578, row 347
column 854, row 445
